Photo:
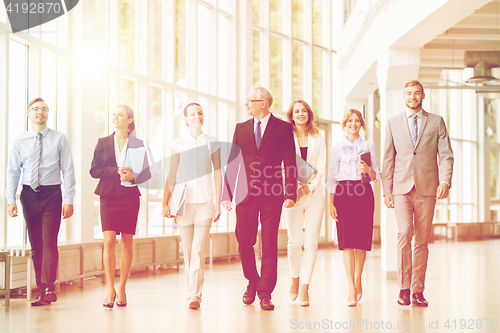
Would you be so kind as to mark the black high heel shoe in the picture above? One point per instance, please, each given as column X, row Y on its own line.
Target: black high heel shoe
column 122, row 304
column 110, row 305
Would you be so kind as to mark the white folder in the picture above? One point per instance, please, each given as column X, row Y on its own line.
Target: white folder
column 177, row 202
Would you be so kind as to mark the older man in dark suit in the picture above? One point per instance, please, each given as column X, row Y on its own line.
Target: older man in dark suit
column 260, row 146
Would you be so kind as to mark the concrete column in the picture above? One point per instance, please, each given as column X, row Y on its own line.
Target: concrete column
column 394, row 68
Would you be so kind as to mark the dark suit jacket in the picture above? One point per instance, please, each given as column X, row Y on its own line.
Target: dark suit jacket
column 259, row 171
column 104, row 167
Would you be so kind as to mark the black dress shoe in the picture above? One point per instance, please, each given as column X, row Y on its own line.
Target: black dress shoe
column 50, row 296
column 266, row 304
column 404, row 297
column 40, row 301
column 419, row 300
column 249, row 295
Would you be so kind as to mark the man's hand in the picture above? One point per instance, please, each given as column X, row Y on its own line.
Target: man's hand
column 442, row 191
column 289, row 203
column 67, row 211
column 12, row 210
column 389, row 200
column 227, row 205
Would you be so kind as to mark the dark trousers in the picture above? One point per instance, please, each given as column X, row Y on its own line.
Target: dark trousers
column 247, row 224
column 42, row 212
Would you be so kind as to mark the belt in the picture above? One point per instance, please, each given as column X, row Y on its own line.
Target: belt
column 42, row 188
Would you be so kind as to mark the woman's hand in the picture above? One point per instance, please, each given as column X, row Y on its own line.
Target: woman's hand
column 303, row 189
column 333, row 212
column 126, row 174
column 216, row 212
column 166, row 211
column 363, row 167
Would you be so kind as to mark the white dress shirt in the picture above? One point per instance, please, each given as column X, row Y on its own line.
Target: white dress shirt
column 344, row 160
column 120, row 154
column 263, row 124
column 56, row 158
column 195, row 166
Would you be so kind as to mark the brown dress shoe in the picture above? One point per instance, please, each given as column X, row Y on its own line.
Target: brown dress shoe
column 404, row 297
column 266, row 304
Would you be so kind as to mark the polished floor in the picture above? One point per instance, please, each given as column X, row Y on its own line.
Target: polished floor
column 462, row 287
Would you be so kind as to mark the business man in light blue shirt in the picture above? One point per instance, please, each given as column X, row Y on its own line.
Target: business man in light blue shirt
column 37, row 158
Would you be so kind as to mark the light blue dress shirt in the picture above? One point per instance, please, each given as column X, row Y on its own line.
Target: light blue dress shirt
column 56, row 158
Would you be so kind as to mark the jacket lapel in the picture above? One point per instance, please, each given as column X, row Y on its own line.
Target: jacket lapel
column 422, row 126
column 247, row 132
column 311, row 145
column 269, row 128
column 111, row 146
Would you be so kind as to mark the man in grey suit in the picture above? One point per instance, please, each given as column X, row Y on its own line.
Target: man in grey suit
column 415, row 141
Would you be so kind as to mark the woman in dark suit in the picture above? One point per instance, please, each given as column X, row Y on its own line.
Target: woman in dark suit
column 119, row 204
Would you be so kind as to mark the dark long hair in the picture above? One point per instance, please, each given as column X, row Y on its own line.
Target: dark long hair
column 130, row 114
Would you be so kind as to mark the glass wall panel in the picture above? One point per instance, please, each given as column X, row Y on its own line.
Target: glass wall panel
column 318, row 21
column 17, row 123
column 298, row 19
column 155, row 53
column 49, row 31
column 223, row 57
column 276, row 75
column 223, row 4
column 127, row 44
column 276, row 15
column 181, row 100
column 101, row 116
column 467, row 181
column 297, row 70
column 318, row 62
column 48, row 90
column 494, row 193
column 256, row 12
column 203, row 69
column 256, row 58
column 180, row 43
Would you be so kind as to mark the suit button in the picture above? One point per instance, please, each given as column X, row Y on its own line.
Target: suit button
column 414, row 153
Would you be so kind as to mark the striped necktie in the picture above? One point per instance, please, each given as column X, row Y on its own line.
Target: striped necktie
column 37, row 154
column 414, row 129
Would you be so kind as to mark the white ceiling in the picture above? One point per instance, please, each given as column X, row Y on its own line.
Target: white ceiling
column 479, row 31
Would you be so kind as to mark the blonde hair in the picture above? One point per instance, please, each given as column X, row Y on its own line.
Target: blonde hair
column 412, row 83
column 348, row 116
column 310, row 125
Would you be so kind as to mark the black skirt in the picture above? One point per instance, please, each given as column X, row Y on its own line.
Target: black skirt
column 119, row 213
column 355, row 205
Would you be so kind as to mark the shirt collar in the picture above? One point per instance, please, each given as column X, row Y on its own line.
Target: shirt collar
column 263, row 121
column 409, row 113
column 355, row 143
column 197, row 139
column 44, row 132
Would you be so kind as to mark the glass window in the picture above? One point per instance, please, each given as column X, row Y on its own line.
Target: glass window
column 256, row 58
column 223, row 57
column 49, row 87
column 256, row 12
column 494, row 193
column 3, row 14
column 297, row 70
column 276, row 15
column 223, row 123
column 276, row 79
column 318, row 8
column 298, row 19
column 126, row 96
column 101, row 116
column 205, row 105
column 223, row 4
column 155, row 53
column 181, row 100
column 156, row 225
column 180, row 43
column 17, row 123
column 318, row 61
column 127, row 43
column 467, row 181
column 49, row 31
column 203, row 49
column 101, row 25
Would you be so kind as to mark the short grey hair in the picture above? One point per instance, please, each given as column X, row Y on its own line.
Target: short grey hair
column 263, row 93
